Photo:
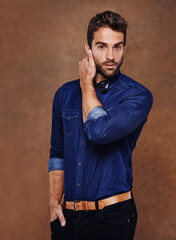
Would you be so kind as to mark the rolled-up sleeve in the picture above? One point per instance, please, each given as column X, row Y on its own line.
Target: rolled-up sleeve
column 103, row 126
column 95, row 113
column 56, row 160
column 55, row 164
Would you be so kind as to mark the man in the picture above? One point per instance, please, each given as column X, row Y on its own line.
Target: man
column 96, row 121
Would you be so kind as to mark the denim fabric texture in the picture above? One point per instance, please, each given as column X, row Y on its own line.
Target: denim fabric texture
column 96, row 156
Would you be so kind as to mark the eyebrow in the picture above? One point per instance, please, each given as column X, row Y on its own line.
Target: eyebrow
column 105, row 44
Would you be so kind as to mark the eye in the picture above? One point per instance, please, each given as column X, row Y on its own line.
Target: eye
column 118, row 47
column 101, row 46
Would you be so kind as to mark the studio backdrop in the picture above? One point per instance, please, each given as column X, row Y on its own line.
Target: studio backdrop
column 41, row 45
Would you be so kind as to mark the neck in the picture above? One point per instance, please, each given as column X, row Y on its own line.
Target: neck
column 98, row 77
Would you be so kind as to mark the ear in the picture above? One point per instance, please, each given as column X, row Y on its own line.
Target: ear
column 87, row 47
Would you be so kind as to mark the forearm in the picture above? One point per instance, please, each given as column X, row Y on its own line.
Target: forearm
column 89, row 99
column 120, row 120
column 56, row 179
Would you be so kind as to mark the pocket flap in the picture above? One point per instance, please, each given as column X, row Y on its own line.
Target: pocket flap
column 70, row 114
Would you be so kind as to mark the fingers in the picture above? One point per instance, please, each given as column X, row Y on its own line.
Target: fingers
column 89, row 54
column 87, row 65
column 91, row 60
column 57, row 212
column 84, row 61
column 61, row 217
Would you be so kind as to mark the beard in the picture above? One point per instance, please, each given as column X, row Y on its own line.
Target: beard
column 108, row 73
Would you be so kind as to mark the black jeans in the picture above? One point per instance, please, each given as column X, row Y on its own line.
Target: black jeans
column 114, row 222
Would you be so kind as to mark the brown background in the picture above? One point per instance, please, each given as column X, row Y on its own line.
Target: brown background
column 41, row 44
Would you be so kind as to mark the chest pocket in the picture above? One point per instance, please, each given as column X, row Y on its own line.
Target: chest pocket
column 70, row 121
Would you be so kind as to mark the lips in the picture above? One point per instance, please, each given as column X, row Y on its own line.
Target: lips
column 109, row 65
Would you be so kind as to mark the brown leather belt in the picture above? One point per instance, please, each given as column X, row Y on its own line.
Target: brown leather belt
column 79, row 205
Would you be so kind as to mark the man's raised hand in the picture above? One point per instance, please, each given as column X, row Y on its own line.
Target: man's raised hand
column 87, row 68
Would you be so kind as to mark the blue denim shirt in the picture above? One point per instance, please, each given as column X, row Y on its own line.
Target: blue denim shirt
column 96, row 156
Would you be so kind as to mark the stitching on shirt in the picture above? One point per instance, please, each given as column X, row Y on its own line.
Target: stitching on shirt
column 71, row 113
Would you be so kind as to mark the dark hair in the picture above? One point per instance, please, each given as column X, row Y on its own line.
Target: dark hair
column 106, row 19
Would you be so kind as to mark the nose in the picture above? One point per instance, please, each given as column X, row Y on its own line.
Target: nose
column 110, row 54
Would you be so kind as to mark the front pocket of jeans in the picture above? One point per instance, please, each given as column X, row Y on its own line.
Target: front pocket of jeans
column 54, row 225
column 115, row 218
column 115, row 213
column 55, row 220
column 70, row 120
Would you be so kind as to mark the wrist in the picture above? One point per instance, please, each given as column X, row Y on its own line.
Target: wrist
column 54, row 201
column 86, row 82
column 87, row 87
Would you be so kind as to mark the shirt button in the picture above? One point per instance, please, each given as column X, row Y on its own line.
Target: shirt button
column 68, row 117
column 80, row 164
column 78, row 184
column 82, row 142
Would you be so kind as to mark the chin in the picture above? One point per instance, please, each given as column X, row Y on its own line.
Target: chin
column 109, row 74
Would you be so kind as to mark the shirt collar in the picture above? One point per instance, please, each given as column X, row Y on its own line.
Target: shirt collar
column 104, row 85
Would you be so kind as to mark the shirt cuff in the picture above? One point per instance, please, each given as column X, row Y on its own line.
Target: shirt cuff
column 95, row 113
column 55, row 164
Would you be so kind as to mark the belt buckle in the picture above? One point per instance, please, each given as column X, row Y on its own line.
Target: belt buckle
column 83, row 204
column 74, row 205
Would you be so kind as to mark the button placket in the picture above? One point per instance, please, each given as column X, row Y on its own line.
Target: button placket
column 81, row 156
